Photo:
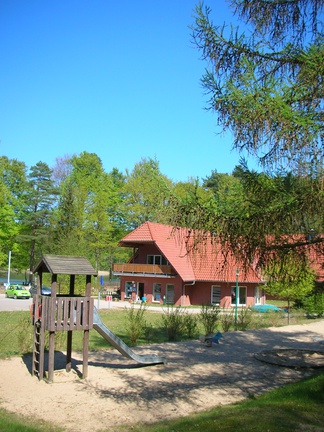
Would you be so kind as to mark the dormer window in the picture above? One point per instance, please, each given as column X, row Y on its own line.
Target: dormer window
column 157, row 259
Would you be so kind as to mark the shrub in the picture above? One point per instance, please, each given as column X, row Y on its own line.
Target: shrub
column 136, row 323
column 227, row 319
column 244, row 319
column 209, row 318
column 314, row 305
column 190, row 324
column 173, row 322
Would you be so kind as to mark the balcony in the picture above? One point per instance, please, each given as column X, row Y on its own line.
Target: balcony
column 143, row 269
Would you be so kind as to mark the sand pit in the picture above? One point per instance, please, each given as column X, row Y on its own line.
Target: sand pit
column 118, row 391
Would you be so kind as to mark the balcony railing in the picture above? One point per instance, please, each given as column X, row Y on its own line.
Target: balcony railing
column 154, row 269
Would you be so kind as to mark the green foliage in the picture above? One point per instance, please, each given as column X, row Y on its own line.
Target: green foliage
column 244, row 319
column 228, row 193
column 226, row 319
column 173, row 321
column 288, row 278
column 41, row 195
column 13, row 186
column 147, row 194
column 266, row 87
column 190, row 325
column 209, row 318
column 314, row 304
column 136, row 323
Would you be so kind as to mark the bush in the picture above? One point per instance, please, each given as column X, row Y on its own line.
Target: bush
column 136, row 323
column 314, row 305
column 190, row 324
column 227, row 319
column 173, row 322
column 244, row 319
column 209, row 318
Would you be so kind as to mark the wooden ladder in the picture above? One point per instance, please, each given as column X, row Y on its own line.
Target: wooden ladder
column 38, row 350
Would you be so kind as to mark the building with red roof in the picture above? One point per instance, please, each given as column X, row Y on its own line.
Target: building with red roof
column 169, row 266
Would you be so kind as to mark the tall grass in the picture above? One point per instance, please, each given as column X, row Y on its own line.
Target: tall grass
column 209, row 318
column 136, row 323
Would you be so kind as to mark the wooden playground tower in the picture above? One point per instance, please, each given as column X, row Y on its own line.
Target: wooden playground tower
column 61, row 312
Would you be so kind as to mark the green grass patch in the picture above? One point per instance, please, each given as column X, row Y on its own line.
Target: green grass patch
column 15, row 423
column 16, row 330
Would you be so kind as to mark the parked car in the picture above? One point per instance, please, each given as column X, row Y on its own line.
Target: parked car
column 17, row 292
column 45, row 291
column 267, row 308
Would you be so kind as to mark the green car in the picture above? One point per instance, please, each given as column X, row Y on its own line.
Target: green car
column 17, row 291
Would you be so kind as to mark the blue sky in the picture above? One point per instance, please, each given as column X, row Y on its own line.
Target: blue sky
column 117, row 78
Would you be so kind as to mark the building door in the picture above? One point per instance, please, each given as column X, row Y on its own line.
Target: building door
column 257, row 295
column 170, row 294
column 140, row 290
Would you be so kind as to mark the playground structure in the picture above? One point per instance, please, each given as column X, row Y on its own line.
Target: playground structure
column 69, row 313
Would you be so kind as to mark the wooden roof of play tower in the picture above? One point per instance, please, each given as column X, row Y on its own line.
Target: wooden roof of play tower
column 69, row 265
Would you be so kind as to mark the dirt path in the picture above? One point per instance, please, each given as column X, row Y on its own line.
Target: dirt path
column 117, row 391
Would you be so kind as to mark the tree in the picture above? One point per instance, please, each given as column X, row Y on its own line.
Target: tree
column 62, row 169
column 228, row 192
column 13, row 185
column 39, row 202
column 147, row 194
column 287, row 281
column 90, row 219
column 266, row 87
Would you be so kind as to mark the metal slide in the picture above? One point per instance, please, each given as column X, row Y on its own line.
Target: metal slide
column 116, row 342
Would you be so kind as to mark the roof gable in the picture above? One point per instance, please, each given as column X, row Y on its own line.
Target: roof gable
column 203, row 262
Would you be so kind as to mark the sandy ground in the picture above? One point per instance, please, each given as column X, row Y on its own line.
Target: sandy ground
column 195, row 378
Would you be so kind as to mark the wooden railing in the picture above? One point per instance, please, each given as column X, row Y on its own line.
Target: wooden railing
column 64, row 313
column 143, row 269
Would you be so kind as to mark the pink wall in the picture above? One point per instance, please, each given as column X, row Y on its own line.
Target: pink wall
column 197, row 294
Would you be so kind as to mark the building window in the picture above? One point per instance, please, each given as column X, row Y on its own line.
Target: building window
column 157, row 259
column 242, row 296
column 129, row 288
column 156, row 292
column 215, row 295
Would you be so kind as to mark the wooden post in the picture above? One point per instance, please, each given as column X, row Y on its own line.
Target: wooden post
column 69, row 351
column 72, row 285
column 41, row 352
column 85, row 353
column 86, row 332
column 88, row 286
column 51, row 356
column 54, row 285
column 70, row 334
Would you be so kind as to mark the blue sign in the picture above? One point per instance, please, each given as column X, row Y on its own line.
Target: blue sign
column 102, row 282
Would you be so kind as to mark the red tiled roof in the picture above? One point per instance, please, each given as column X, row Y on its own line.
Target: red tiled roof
column 206, row 262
